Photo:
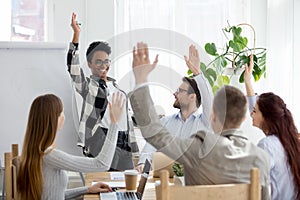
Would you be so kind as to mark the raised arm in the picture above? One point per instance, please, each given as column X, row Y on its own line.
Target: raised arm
column 76, row 29
column 247, row 77
column 73, row 62
column 141, row 63
column 193, row 63
column 251, row 96
column 147, row 120
column 62, row 160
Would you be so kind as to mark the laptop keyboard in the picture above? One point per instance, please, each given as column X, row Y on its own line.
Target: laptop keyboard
column 126, row 196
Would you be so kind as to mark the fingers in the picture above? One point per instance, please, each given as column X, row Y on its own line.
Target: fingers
column 73, row 16
column 140, row 50
column 146, row 52
column 140, row 55
column 197, row 53
column 156, row 60
column 117, row 100
column 140, row 167
column 249, row 67
column 251, row 62
column 105, row 188
column 193, row 52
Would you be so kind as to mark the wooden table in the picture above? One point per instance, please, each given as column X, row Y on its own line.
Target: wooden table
column 149, row 193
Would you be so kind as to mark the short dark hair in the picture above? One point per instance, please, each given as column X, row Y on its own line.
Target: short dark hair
column 230, row 106
column 97, row 46
column 193, row 89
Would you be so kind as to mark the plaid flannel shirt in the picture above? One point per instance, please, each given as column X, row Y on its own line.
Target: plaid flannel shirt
column 93, row 91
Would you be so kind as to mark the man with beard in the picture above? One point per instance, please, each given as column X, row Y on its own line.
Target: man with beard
column 188, row 98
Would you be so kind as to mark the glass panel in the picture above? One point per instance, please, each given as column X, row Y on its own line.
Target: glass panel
column 27, row 20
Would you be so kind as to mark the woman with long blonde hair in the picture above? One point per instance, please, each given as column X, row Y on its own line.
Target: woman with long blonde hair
column 42, row 172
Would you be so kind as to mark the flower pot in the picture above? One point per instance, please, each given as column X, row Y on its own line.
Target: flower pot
column 179, row 180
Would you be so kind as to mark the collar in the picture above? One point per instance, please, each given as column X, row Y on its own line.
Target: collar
column 234, row 132
column 97, row 78
column 196, row 114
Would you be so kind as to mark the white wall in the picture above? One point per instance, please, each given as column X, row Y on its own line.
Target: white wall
column 33, row 69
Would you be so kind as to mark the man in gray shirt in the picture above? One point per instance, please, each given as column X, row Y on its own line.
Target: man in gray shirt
column 224, row 157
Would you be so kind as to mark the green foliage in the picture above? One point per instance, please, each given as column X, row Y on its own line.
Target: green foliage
column 235, row 55
column 178, row 169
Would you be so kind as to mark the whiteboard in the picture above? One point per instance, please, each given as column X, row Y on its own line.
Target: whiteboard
column 27, row 71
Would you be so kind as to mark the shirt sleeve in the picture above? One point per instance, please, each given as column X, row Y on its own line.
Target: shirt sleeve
column 251, row 102
column 75, row 192
column 61, row 160
column 75, row 71
column 263, row 143
column 146, row 153
column 206, row 97
column 156, row 134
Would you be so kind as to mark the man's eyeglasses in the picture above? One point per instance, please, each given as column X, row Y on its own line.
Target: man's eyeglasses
column 100, row 63
column 179, row 90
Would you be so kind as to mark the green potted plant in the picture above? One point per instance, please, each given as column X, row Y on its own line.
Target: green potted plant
column 229, row 60
column 179, row 174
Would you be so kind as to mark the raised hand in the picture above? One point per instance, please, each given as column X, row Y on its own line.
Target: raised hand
column 140, row 168
column 248, row 70
column 76, row 28
column 116, row 107
column 247, row 77
column 193, row 61
column 141, row 63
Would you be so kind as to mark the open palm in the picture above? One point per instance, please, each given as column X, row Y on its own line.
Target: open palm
column 141, row 63
column 193, row 61
column 116, row 107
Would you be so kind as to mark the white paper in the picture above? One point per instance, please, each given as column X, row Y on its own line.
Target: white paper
column 116, row 184
column 117, row 176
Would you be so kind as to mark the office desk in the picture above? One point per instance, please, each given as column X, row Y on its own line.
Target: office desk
column 149, row 193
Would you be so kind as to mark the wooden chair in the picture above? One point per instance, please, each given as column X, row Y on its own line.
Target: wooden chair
column 11, row 162
column 240, row 191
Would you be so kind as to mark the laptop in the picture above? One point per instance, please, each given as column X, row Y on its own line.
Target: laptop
column 123, row 195
column 160, row 162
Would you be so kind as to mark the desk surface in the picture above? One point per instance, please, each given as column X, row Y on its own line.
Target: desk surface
column 149, row 193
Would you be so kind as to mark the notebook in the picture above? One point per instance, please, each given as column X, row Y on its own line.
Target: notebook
column 130, row 195
column 160, row 162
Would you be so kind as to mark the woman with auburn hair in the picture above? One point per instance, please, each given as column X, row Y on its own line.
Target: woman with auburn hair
column 42, row 172
column 271, row 115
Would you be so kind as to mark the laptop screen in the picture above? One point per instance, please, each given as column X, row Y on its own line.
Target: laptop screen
column 144, row 177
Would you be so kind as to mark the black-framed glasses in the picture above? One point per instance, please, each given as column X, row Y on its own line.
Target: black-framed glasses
column 179, row 90
column 100, row 63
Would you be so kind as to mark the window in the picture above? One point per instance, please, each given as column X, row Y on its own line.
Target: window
column 23, row 20
column 169, row 27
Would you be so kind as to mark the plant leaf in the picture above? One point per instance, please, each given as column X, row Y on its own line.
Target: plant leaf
column 215, row 88
column 243, row 59
column 190, row 73
column 241, row 79
column 210, row 80
column 211, row 49
column 223, row 61
column 223, row 80
column 236, row 31
column 211, row 73
column 202, row 67
column 234, row 46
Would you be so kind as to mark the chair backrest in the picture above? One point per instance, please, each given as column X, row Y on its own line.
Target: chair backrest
column 237, row 191
column 11, row 162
